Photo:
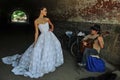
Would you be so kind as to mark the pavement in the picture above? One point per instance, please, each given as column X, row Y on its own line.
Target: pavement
column 11, row 44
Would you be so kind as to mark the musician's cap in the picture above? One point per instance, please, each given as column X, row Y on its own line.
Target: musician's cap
column 96, row 27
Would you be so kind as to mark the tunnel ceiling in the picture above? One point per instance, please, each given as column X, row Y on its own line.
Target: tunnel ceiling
column 98, row 11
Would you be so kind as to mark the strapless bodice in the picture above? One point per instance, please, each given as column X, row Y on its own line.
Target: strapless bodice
column 43, row 27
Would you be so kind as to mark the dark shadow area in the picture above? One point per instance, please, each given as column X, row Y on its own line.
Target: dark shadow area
column 105, row 76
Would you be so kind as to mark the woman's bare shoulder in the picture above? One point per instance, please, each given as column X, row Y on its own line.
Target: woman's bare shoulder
column 46, row 18
column 36, row 20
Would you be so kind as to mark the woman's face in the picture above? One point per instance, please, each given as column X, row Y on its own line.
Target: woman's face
column 44, row 12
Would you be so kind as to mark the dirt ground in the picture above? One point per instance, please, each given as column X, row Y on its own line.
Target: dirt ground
column 11, row 44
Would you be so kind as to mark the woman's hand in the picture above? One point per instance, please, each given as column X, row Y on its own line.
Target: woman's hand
column 34, row 44
column 51, row 30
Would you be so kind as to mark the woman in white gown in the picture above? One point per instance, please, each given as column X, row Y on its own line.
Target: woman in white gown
column 43, row 56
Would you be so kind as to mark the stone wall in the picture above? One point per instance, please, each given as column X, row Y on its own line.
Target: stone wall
column 97, row 11
column 111, row 51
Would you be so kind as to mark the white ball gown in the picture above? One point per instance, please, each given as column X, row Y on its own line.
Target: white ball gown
column 43, row 58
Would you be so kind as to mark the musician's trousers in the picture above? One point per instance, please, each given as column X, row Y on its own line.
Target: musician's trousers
column 88, row 52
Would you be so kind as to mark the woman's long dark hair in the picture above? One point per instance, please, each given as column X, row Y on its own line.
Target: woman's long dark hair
column 42, row 8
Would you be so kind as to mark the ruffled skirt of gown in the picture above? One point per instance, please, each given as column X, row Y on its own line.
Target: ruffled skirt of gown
column 36, row 61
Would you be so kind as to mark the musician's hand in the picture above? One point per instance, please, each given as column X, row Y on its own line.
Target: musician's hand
column 85, row 43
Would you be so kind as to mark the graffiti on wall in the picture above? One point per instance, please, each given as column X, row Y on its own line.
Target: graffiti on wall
column 102, row 11
column 105, row 11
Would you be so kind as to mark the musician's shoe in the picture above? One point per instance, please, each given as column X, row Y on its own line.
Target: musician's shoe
column 81, row 64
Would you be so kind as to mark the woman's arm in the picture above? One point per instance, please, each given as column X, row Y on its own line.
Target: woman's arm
column 52, row 26
column 36, row 31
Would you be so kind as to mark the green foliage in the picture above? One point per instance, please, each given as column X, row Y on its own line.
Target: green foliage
column 18, row 16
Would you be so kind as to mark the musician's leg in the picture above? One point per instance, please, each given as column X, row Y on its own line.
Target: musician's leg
column 79, row 57
column 88, row 52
